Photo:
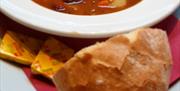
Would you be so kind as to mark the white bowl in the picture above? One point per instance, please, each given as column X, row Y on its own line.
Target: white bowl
column 145, row 13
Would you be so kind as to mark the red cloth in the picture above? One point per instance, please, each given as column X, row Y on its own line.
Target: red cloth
column 172, row 26
column 174, row 39
column 40, row 83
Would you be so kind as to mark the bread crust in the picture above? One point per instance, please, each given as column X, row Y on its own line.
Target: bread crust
column 138, row 61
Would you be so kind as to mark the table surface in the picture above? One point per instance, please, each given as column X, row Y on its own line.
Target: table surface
column 12, row 76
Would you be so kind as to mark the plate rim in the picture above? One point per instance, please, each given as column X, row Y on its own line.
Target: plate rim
column 8, row 12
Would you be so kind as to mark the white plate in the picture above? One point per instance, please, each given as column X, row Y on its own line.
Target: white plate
column 146, row 13
column 12, row 78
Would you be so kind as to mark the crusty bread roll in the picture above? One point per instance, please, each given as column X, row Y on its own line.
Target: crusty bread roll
column 137, row 61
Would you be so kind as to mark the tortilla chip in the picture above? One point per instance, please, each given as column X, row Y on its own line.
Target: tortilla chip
column 51, row 58
column 19, row 48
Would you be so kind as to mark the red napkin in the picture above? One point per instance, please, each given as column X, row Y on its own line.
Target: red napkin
column 171, row 25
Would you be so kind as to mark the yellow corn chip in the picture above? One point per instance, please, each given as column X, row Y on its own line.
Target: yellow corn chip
column 19, row 47
column 51, row 58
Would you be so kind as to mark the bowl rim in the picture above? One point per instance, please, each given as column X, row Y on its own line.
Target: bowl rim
column 153, row 19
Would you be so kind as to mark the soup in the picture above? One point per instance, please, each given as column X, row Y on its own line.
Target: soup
column 87, row 7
